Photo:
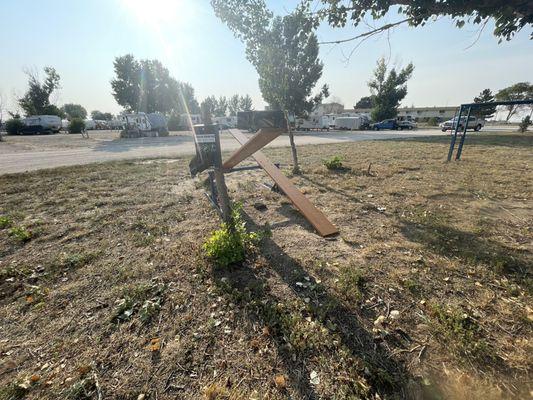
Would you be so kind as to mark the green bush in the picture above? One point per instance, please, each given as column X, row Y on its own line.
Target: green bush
column 76, row 125
column 333, row 163
column 14, row 126
column 228, row 246
column 20, row 233
column 524, row 124
column 4, row 222
column 433, row 121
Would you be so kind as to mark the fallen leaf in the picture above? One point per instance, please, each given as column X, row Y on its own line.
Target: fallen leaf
column 155, row 344
column 280, row 381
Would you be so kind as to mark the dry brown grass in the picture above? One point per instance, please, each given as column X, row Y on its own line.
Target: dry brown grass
column 111, row 294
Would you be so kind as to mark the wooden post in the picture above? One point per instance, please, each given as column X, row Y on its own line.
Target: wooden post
column 220, row 182
column 296, row 166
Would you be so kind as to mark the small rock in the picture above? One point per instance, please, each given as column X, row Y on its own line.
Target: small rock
column 142, row 396
column 395, row 314
column 379, row 320
column 314, row 379
column 280, row 381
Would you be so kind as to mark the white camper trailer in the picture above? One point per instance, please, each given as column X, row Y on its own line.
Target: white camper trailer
column 42, row 124
column 226, row 122
column 143, row 125
column 317, row 122
column 348, row 123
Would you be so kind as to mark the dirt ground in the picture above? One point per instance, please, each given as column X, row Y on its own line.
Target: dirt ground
column 105, row 291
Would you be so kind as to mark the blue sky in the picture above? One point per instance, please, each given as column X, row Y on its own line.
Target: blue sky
column 81, row 38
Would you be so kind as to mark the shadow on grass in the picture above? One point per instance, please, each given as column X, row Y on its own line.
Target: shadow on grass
column 471, row 248
column 479, row 139
column 364, row 367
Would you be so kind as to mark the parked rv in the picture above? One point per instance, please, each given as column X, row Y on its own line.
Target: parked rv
column 351, row 123
column 318, row 123
column 42, row 124
column 142, row 124
column 90, row 124
column 225, row 122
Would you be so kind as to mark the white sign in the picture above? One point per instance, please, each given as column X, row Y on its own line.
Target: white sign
column 205, row 138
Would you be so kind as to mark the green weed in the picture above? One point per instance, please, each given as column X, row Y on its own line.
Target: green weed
column 143, row 300
column 352, row 283
column 228, row 245
column 334, row 163
column 20, row 233
column 5, row 222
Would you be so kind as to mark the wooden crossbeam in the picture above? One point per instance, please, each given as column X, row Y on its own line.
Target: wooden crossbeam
column 255, row 143
column 309, row 211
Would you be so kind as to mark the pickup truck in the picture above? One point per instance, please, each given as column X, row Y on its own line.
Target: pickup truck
column 473, row 123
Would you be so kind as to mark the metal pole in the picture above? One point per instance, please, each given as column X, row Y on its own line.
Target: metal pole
column 460, row 148
column 454, row 137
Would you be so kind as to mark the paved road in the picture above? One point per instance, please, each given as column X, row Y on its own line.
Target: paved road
column 23, row 155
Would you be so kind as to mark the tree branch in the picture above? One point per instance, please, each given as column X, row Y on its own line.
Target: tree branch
column 369, row 33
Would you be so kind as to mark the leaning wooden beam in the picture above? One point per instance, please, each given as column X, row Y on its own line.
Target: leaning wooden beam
column 255, row 143
column 309, row 211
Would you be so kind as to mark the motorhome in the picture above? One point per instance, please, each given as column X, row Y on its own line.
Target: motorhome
column 42, row 124
column 90, row 124
column 317, row 122
column 142, row 124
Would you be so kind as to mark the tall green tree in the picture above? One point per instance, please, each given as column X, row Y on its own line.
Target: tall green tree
column 388, row 90
column 518, row 91
column 245, row 103
column 147, row 86
column 36, row 100
column 74, row 111
column 208, row 108
column 365, row 102
column 284, row 52
column 221, row 107
column 101, row 116
column 234, row 104
column 485, row 112
column 510, row 16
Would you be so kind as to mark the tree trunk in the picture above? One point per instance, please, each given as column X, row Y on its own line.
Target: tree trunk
column 295, row 166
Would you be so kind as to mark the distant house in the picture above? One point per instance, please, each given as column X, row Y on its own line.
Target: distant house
column 425, row 113
column 419, row 113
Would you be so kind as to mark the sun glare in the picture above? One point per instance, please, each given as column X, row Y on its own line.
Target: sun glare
column 155, row 13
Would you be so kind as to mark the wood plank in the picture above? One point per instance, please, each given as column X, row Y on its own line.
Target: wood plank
column 309, row 211
column 255, row 143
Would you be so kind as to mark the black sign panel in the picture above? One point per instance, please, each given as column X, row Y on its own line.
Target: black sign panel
column 255, row 120
column 207, row 148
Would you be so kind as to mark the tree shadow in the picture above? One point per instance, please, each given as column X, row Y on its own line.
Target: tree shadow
column 471, row 248
column 478, row 139
column 375, row 366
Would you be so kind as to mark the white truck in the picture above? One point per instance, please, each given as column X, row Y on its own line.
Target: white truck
column 42, row 124
column 473, row 123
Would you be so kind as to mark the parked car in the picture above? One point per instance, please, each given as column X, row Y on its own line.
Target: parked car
column 385, row 124
column 406, row 124
column 473, row 123
column 41, row 124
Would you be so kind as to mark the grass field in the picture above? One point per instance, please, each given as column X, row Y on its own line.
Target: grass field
column 105, row 291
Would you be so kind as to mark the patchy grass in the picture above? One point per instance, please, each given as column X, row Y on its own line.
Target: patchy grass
column 20, row 233
column 115, row 276
column 334, row 163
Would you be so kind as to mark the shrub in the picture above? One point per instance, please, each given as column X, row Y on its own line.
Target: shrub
column 4, row 222
column 433, row 121
column 174, row 123
column 76, row 125
column 526, row 122
column 228, row 246
column 14, row 126
column 334, row 163
column 20, row 233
